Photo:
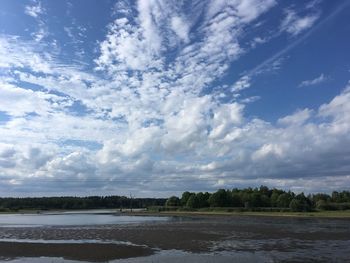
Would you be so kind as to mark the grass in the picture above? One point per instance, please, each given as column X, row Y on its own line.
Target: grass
column 216, row 212
column 315, row 214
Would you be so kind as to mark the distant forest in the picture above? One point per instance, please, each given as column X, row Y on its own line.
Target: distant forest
column 67, row 203
column 260, row 199
column 248, row 199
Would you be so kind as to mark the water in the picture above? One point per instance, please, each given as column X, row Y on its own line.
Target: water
column 169, row 256
column 242, row 239
column 73, row 219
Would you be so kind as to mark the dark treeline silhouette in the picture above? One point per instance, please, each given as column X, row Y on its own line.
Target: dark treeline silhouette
column 254, row 199
column 91, row 202
column 261, row 199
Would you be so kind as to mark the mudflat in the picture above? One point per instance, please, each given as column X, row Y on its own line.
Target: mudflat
column 86, row 252
column 299, row 239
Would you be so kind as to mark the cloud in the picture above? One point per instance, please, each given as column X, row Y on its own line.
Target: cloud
column 294, row 24
column 322, row 78
column 298, row 118
column 155, row 124
column 257, row 41
column 10, row 58
column 18, row 102
column 37, row 12
column 181, row 28
column 243, row 83
column 34, row 10
column 275, row 61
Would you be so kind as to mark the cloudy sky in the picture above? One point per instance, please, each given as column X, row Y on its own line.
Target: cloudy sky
column 156, row 97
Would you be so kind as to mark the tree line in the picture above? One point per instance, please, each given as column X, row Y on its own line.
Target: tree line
column 90, row 202
column 257, row 199
column 261, row 199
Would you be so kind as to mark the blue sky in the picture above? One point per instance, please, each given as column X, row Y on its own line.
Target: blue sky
column 157, row 97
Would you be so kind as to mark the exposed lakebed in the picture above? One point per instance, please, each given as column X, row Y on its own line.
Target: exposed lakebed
column 173, row 239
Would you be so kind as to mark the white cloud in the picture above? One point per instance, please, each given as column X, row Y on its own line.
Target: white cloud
column 241, row 84
column 40, row 34
column 180, row 27
column 34, row 10
column 268, row 150
column 338, row 109
column 14, row 55
column 126, row 48
column 298, row 118
column 18, row 102
column 294, row 24
column 258, row 41
column 37, row 11
column 147, row 123
column 322, row 78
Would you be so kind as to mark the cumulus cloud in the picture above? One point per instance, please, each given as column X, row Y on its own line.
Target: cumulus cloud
column 298, row 118
column 18, row 101
column 147, row 122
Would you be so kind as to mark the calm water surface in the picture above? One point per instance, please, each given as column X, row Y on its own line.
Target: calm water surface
column 73, row 219
column 245, row 239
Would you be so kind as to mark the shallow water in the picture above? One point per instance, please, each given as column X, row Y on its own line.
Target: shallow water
column 73, row 219
column 205, row 239
column 169, row 256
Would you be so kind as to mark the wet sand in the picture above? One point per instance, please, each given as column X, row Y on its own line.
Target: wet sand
column 303, row 240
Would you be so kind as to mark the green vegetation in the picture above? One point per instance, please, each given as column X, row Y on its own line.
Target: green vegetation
column 260, row 199
column 244, row 212
column 255, row 200
column 92, row 202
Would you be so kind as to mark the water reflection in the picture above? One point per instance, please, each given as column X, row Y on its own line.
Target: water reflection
column 182, row 239
column 73, row 219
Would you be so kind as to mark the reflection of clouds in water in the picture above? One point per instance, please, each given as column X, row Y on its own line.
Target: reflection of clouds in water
column 178, row 256
column 73, row 219
column 242, row 239
column 333, row 254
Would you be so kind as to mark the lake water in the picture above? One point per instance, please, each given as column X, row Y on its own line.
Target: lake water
column 178, row 239
column 74, row 219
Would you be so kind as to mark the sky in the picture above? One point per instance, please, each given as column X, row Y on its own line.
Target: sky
column 153, row 98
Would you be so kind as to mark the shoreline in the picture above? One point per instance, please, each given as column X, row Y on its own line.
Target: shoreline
column 286, row 237
column 322, row 214
column 342, row 214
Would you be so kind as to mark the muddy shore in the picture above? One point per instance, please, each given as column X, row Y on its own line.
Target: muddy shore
column 85, row 252
column 197, row 234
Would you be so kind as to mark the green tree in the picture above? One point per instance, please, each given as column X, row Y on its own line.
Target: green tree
column 202, row 199
column 275, row 193
column 220, row 198
column 264, row 190
column 185, row 197
column 255, row 200
column 236, row 200
column 284, row 200
column 265, row 201
column 295, row 205
column 173, row 201
column 193, row 202
column 300, row 203
column 321, row 204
